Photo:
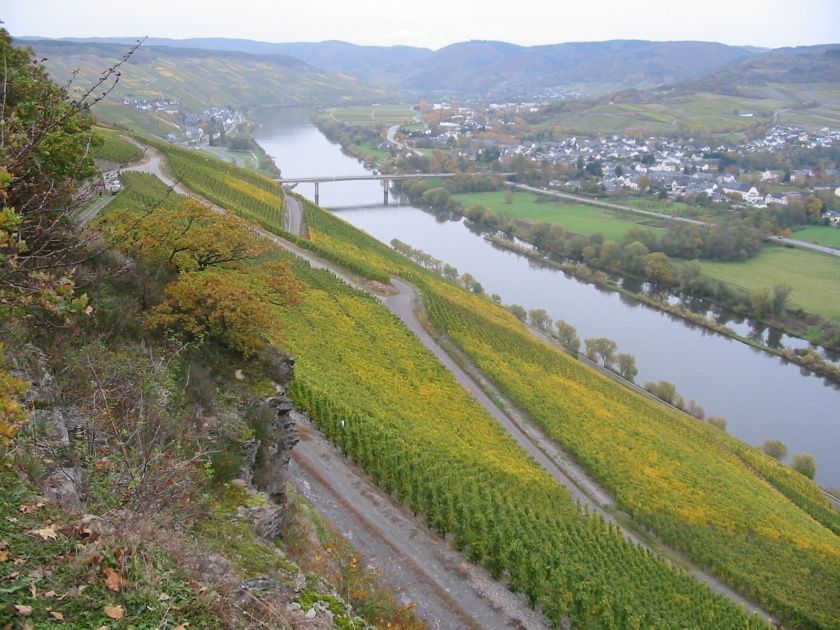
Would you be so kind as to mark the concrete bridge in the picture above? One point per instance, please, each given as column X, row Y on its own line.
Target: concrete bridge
column 385, row 178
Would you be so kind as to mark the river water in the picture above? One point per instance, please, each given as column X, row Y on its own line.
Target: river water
column 761, row 396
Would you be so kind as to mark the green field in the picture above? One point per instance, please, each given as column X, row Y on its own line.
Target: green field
column 114, row 148
column 574, row 217
column 815, row 277
column 367, row 149
column 820, row 234
column 373, row 115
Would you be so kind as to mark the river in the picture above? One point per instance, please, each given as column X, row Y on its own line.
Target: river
column 761, row 396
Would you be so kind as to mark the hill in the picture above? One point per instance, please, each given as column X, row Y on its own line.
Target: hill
column 200, row 78
column 496, row 67
column 475, row 67
column 786, row 85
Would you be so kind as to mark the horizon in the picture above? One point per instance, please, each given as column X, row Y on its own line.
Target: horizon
column 454, row 43
column 773, row 24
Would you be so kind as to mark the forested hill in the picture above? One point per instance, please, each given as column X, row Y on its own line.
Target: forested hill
column 200, row 78
column 488, row 67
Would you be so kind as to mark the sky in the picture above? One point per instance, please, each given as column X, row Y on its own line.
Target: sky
column 435, row 23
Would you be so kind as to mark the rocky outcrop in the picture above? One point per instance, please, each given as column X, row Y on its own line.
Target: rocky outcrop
column 266, row 457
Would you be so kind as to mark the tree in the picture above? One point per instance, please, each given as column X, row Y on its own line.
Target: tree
column 775, row 449
column 718, row 422
column 693, row 408
column 567, row 335
column 804, row 463
column 658, row 268
column 781, row 292
column 601, row 348
column 45, row 141
column 633, row 255
column 518, row 311
column 227, row 305
column 610, row 258
column 663, row 390
column 190, row 238
column 539, row 319
column 761, row 302
column 627, row 366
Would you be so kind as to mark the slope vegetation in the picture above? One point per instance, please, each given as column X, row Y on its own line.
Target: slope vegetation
column 200, row 78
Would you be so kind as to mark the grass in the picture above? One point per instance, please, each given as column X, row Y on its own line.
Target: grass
column 369, row 151
column 815, row 277
column 574, row 217
column 114, row 148
column 373, row 115
column 820, row 234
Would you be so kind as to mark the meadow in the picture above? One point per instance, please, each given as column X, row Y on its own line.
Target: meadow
column 574, row 217
column 379, row 115
column 820, row 234
column 813, row 276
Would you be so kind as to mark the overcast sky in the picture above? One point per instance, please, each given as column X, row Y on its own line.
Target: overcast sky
column 435, row 23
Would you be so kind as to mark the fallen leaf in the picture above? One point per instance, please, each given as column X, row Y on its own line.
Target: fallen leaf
column 23, row 611
column 56, row 615
column 183, row 626
column 104, row 628
column 4, row 556
column 4, row 544
column 29, row 509
column 113, row 580
column 163, row 597
column 46, row 533
column 50, row 594
column 118, row 554
column 114, row 612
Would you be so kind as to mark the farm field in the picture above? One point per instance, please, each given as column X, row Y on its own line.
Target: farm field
column 697, row 113
column 815, row 277
column 820, row 234
column 574, row 217
column 373, row 115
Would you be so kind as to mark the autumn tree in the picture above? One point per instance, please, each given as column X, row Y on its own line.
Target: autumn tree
column 539, row 319
column 228, row 306
column 663, row 390
column 45, row 142
column 601, row 348
column 804, row 463
column 658, row 268
column 567, row 335
column 775, row 449
column 627, row 366
column 190, row 238
column 518, row 311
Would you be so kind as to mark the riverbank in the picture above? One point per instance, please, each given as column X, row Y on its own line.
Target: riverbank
column 807, row 359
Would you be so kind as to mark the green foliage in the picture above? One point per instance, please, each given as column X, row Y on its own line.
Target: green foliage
column 114, row 148
column 804, row 464
column 44, row 155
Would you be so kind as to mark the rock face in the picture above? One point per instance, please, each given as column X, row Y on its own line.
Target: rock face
column 267, row 455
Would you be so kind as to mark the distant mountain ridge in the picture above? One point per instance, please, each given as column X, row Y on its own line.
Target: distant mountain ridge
column 202, row 77
column 494, row 68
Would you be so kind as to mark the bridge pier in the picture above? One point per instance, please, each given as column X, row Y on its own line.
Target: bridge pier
column 316, row 194
column 385, row 192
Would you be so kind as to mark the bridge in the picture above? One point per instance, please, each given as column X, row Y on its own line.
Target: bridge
column 385, row 178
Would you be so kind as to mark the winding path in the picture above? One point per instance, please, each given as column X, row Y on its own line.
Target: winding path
column 349, row 499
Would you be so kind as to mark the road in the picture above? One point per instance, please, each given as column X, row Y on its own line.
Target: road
column 614, row 206
column 404, row 303
column 293, row 218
